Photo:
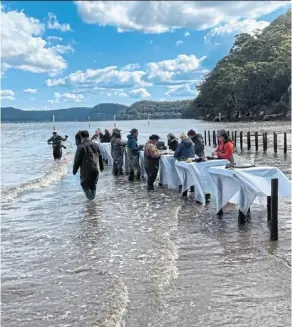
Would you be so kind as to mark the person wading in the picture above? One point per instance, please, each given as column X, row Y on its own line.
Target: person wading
column 225, row 146
column 185, row 150
column 118, row 148
column 88, row 159
column 172, row 142
column 56, row 141
column 133, row 155
column 151, row 161
column 106, row 137
column 198, row 142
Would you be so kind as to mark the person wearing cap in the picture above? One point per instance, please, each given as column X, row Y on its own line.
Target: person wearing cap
column 172, row 141
column 88, row 159
column 225, row 146
column 117, row 150
column 133, row 155
column 56, row 141
column 198, row 143
column 151, row 161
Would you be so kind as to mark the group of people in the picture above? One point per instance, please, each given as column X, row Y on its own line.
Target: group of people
column 89, row 160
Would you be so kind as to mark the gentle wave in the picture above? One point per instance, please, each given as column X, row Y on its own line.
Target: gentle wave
column 116, row 312
column 53, row 174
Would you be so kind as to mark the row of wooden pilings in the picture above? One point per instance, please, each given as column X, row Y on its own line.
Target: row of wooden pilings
column 256, row 135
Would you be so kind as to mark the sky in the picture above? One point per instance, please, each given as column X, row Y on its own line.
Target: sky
column 62, row 54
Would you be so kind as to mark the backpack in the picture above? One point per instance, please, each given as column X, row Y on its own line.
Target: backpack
column 90, row 158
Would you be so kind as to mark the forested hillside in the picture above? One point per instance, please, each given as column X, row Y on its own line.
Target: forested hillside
column 251, row 82
column 154, row 110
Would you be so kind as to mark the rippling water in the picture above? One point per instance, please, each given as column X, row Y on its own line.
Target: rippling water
column 132, row 258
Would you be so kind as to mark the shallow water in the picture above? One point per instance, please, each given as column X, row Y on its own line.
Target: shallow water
column 132, row 258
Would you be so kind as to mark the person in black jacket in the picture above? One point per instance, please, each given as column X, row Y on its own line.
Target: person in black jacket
column 172, row 141
column 88, row 159
column 198, row 142
column 106, row 137
column 77, row 138
column 56, row 141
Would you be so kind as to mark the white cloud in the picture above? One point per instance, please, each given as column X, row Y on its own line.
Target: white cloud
column 123, row 94
column 53, row 24
column 186, row 34
column 139, row 93
column 236, row 27
column 22, row 46
column 108, row 77
column 171, row 71
column 131, row 67
column 32, row 91
column 32, row 99
column 55, row 38
column 66, row 97
column 63, row 49
column 182, row 90
column 179, row 42
column 165, row 16
column 7, row 95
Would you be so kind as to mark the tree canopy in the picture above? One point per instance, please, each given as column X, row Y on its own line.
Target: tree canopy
column 252, row 80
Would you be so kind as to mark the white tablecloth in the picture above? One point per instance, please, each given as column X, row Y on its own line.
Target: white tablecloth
column 197, row 174
column 247, row 186
column 167, row 172
column 105, row 149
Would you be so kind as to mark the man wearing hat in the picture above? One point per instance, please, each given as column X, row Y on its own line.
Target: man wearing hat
column 225, row 146
column 56, row 141
column 117, row 151
column 133, row 154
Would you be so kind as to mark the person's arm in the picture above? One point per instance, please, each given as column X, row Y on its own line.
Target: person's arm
column 177, row 151
column 97, row 149
column 50, row 140
column 64, row 138
column 78, row 159
column 227, row 151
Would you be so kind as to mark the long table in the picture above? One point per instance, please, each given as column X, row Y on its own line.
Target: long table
column 197, row 174
column 246, row 186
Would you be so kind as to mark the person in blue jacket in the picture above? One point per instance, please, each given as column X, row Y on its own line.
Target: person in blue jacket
column 185, row 148
column 133, row 155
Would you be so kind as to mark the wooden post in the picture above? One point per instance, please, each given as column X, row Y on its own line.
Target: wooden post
column 269, row 212
column 241, row 218
column 265, row 141
column 274, row 207
column 209, row 138
column 214, row 138
column 256, row 137
column 235, row 137
column 241, row 139
column 248, row 141
column 205, row 135
column 54, row 128
column 228, row 133
column 232, row 135
column 285, row 142
column 89, row 121
column 275, row 142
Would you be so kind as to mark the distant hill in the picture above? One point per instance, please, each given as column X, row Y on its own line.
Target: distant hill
column 106, row 111
column 103, row 111
column 154, row 109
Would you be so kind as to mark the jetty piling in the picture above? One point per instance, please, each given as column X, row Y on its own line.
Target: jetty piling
column 274, row 209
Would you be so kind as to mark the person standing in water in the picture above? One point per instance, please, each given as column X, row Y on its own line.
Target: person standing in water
column 56, row 141
column 77, row 138
column 225, row 146
column 118, row 148
column 151, row 161
column 88, row 159
column 133, row 155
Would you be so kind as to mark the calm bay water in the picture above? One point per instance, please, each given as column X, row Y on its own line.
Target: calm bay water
column 133, row 258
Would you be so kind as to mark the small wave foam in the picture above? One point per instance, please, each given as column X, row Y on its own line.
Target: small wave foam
column 117, row 309
column 53, row 174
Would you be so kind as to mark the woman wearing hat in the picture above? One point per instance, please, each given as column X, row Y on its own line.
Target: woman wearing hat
column 225, row 147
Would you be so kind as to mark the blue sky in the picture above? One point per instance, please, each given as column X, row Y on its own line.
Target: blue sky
column 67, row 54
